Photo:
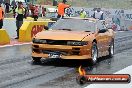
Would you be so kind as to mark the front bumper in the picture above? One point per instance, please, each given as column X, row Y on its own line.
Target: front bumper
column 66, row 52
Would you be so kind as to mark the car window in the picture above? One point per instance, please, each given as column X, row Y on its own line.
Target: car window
column 75, row 25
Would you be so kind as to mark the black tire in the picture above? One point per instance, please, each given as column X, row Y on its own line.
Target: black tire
column 111, row 50
column 36, row 59
column 94, row 53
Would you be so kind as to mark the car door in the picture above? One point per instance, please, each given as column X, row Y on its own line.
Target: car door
column 105, row 38
column 108, row 38
column 102, row 39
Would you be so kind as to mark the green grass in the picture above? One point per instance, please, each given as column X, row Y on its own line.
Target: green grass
column 121, row 4
column 116, row 4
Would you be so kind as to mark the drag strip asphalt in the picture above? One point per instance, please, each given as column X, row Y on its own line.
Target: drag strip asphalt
column 107, row 66
column 18, row 71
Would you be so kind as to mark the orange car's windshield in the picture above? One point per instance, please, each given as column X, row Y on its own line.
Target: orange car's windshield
column 74, row 25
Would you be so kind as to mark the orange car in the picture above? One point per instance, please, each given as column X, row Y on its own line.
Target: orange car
column 74, row 39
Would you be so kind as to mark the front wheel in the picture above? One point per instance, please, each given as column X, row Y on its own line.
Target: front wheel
column 94, row 53
column 111, row 50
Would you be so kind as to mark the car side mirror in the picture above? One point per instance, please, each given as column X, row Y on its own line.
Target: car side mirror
column 102, row 31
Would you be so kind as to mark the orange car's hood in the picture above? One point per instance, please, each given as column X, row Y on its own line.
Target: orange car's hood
column 62, row 35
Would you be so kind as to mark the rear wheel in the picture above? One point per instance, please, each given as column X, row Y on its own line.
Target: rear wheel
column 94, row 53
column 111, row 49
column 36, row 59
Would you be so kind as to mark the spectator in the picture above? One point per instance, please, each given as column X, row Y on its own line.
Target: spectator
column 3, row 6
column 98, row 14
column 13, row 3
column 14, row 6
column 61, row 9
column 83, row 13
column 32, row 9
column 25, row 5
column 1, row 16
column 68, row 12
column 26, row 12
column 43, row 12
column 36, row 13
column 29, row 13
column 29, row 10
column 19, row 17
column 40, row 11
column 7, row 7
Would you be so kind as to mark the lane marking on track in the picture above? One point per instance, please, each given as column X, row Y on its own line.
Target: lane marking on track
column 119, row 31
column 10, row 45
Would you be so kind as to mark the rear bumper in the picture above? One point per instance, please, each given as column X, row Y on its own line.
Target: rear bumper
column 66, row 52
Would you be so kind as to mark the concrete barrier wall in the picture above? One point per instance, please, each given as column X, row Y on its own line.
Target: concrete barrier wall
column 27, row 31
column 4, row 37
column 121, row 17
column 10, row 25
column 31, row 28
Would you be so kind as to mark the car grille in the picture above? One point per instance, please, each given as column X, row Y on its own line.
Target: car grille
column 57, row 52
column 57, row 42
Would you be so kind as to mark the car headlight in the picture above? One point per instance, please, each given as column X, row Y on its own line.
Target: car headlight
column 39, row 41
column 77, row 43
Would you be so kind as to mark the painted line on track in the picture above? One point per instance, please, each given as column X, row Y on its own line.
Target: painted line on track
column 10, row 45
